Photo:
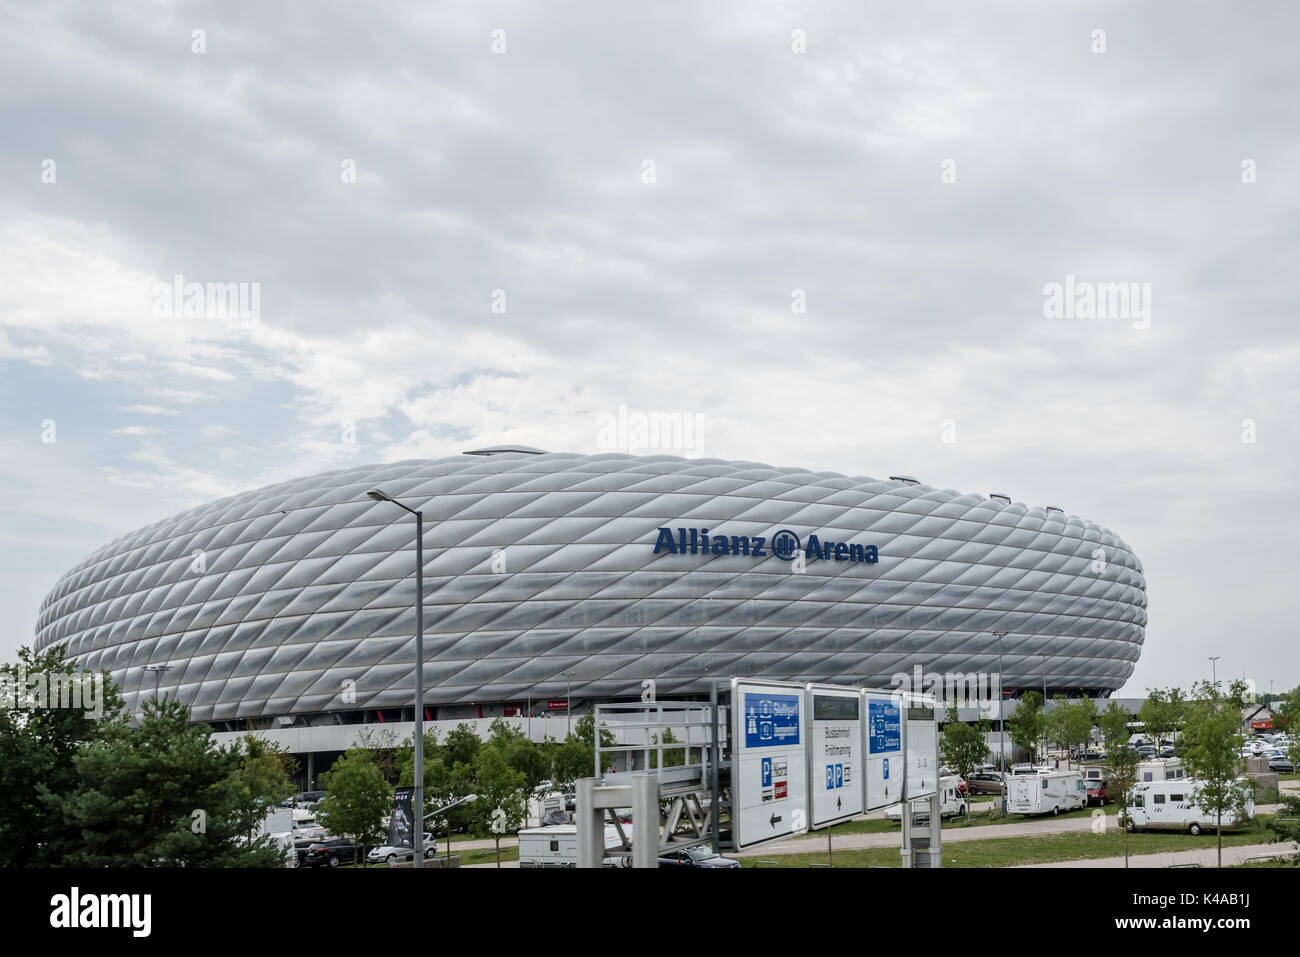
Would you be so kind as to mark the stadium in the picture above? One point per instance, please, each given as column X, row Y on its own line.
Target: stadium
column 559, row 579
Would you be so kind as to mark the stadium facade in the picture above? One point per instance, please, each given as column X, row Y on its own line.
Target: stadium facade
column 552, row 577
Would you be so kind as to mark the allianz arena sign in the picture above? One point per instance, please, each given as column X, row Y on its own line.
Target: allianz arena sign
column 784, row 545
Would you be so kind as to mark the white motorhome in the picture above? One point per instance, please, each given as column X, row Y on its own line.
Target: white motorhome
column 1046, row 792
column 950, row 802
column 1161, row 769
column 556, row 845
column 1168, row 806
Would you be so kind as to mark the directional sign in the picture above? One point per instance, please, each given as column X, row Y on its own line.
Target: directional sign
column 769, row 761
column 921, row 741
column 883, row 738
column 835, row 753
column 498, row 822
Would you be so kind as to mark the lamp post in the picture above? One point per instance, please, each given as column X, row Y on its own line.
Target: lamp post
column 380, row 496
column 465, row 800
column 1002, row 725
column 1213, row 670
column 568, row 700
column 157, row 673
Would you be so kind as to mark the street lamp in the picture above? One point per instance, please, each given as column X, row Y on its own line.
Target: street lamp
column 380, row 496
column 157, row 673
column 1002, row 724
column 442, row 810
column 568, row 700
column 1213, row 670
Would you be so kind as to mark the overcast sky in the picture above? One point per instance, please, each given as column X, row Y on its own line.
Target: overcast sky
column 823, row 232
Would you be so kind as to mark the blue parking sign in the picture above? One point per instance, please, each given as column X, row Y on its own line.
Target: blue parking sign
column 839, row 775
column 767, row 772
column 886, row 769
column 830, row 776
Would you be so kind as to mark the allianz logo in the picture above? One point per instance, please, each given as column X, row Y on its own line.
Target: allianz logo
column 784, row 545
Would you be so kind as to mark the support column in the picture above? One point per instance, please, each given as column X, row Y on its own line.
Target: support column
column 591, row 830
column 645, row 821
column 936, row 829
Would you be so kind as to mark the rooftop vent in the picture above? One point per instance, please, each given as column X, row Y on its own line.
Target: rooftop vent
column 1000, row 497
column 499, row 449
column 1053, row 508
column 905, row 478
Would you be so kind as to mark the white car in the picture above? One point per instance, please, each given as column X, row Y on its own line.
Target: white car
column 386, row 854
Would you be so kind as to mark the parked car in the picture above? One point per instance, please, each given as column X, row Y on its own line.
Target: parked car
column 1167, row 751
column 697, row 857
column 307, row 798
column 571, row 801
column 332, row 851
column 387, row 854
column 1099, row 791
column 985, row 782
column 1090, row 755
column 1282, row 765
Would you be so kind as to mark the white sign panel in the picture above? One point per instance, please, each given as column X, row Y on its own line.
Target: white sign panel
column 835, row 775
column 769, row 754
column 921, row 740
column 882, row 727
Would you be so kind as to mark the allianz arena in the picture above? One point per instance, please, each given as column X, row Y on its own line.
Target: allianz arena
column 550, row 575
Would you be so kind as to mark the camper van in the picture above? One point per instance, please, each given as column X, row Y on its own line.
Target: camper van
column 1161, row 769
column 950, row 802
column 556, row 845
column 1046, row 792
column 1167, row 806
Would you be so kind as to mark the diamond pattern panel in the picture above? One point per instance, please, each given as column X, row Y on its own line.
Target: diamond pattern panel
column 284, row 606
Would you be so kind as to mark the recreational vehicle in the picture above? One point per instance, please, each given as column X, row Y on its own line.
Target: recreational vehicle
column 1161, row 769
column 556, row 845
column 1046, row 792
column 950, row 802
column 1167, row 806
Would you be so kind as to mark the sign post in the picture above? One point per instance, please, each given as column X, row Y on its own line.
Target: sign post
column 769, row 761
column 835, row 770
column 882, row 729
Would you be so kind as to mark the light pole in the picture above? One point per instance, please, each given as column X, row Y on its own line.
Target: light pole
column 1002, row 725
column 1213, row 670
column 568, row 700
column 465, row 800
column 157, row 673
column 380, row 496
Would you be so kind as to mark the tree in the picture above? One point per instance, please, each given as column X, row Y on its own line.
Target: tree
column 575, row 757
column 161, row 795
column 356, row 799
column 1026, row 723
column 438, row 786
column 37, row 746
column 498, row 786
column 1075, row 723
column 1212, row 755
column 1159, row 713
column 673, row 757
column 1121, row 760
column 963, row 745
column 383, row 748
column 520, row 752
column 266, row 772
column 462, row 745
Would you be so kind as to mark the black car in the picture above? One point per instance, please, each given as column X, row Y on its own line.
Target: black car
column 1282, row 765
column 307, row 797
column 696, row 857
column 333, row 851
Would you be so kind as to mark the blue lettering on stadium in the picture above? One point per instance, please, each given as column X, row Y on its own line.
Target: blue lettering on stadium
column 783, row 544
